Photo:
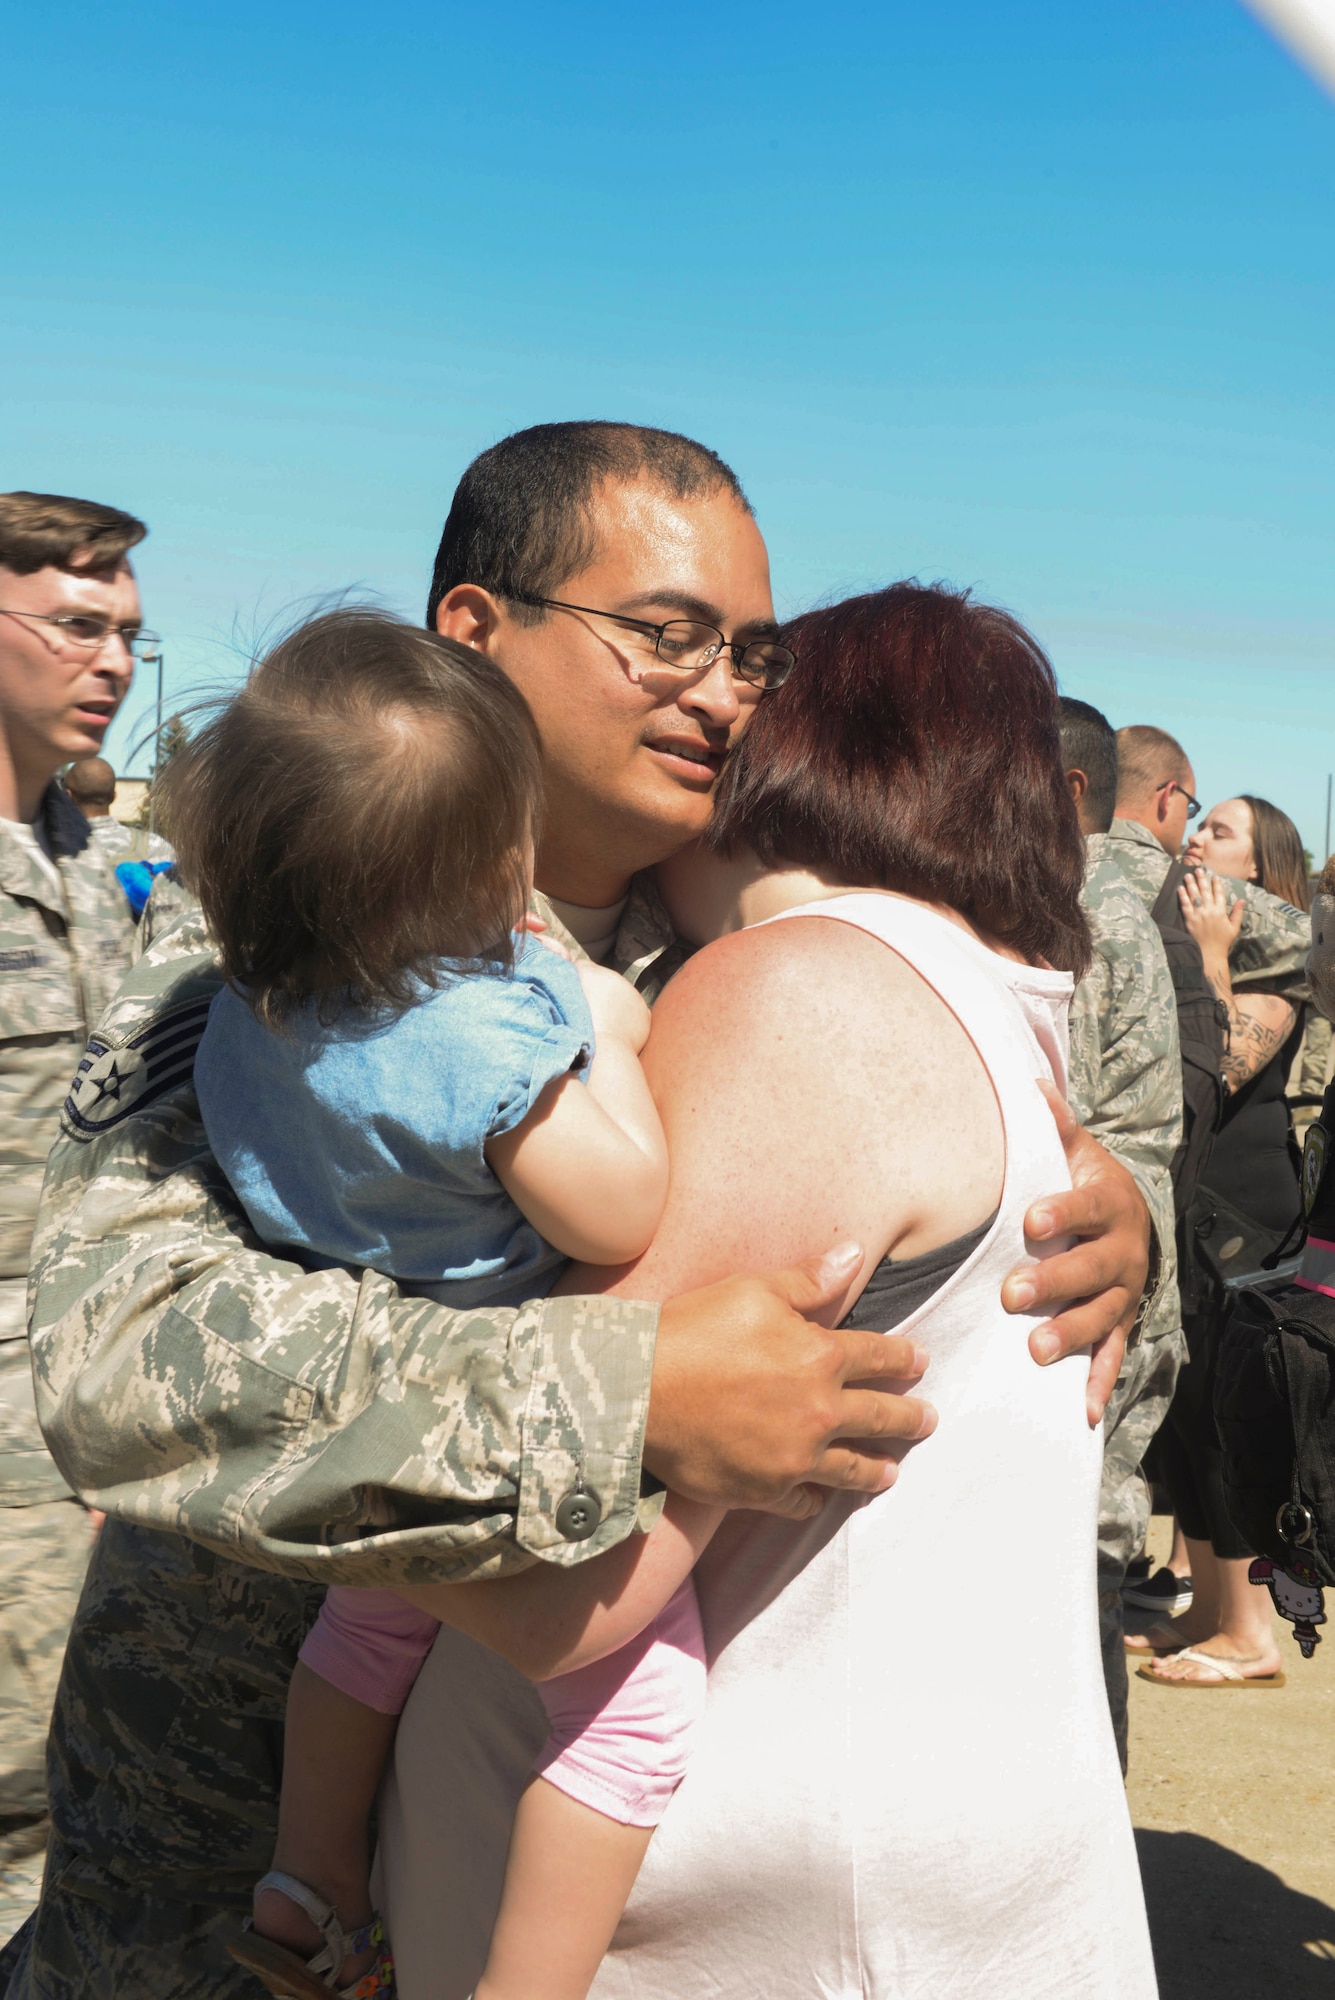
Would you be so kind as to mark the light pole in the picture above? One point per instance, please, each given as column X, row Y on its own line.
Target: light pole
column 157, row 748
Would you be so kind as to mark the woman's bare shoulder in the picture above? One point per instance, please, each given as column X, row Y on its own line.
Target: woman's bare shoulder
column 807, row 1078
column 815, row 961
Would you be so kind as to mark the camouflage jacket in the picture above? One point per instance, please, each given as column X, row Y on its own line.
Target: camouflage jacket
column 63, row 953
column 1271, row 948
column 120, row 842
column 1126, row 1071
column 315, row 1423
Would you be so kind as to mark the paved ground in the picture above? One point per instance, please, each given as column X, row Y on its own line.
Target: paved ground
column 1233, row 1797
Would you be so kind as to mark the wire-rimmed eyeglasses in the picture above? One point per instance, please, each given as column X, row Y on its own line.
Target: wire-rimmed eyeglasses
column 1193, row 805
column 689, row 646
column 91, row 634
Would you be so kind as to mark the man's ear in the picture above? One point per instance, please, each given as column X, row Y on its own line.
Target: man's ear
column 1077, row 784
column 471, row 615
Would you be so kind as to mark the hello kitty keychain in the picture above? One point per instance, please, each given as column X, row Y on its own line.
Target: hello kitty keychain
column 1294, row 1585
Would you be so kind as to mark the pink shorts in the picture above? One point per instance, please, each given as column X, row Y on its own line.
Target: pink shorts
column 621, row 1729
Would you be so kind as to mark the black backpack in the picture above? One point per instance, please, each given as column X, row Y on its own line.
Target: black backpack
column 1202, row 1024
column 1274, row 1388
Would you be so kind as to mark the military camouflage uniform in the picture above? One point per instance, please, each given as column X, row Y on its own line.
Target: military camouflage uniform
column 254, row 1432
column 65, row 941
column 1126, row 1089
column 1271, row 949
column 1310, row 1073
column 120, row 842
column 167, row 903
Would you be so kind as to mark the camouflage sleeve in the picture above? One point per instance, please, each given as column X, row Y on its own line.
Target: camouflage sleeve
column 1126, row 1065
column 1313, row 1064
column 305, row 1422
column 1272, row 946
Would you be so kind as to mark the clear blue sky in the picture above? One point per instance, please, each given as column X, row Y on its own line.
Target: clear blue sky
column 1037, row 299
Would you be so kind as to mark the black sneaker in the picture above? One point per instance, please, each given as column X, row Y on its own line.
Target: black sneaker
column 1163, row 1592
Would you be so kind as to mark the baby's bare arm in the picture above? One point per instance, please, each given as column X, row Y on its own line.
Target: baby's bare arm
column 588, row 1166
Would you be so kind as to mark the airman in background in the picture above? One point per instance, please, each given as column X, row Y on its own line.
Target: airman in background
column 91, row 783
column 69, row 628
column 1154, row 804
column 1126, row 1088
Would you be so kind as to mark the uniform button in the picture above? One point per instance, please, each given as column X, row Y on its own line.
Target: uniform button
column 578, row 1515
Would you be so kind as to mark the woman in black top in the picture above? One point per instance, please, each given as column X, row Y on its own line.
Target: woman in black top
column 1253, row 1170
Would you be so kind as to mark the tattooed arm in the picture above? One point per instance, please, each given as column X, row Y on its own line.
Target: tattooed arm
column 1258, row 1023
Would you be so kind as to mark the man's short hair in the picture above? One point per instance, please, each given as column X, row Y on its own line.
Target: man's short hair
column 49, row 531
column 520, row 523
column 1147, row 758
column 91, row 781
column 1090, row 745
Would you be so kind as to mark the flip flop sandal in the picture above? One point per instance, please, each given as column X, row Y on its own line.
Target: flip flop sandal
column 289, row 1977
column 1232, row 1679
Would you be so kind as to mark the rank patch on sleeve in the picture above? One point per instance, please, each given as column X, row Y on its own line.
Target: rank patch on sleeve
column 117, row 1078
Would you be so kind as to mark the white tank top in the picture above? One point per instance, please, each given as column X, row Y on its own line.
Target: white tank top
column 889, row 1799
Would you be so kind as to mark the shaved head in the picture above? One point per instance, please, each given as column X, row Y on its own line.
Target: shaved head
column 90, row 781
column 1146, row 759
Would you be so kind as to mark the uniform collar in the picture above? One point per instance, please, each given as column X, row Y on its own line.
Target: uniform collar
column 647, row 950
column 66, row 826
column 1139, row 836
column 68, row 832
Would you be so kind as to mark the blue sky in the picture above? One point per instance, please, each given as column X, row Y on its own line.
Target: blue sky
column 1040, row 300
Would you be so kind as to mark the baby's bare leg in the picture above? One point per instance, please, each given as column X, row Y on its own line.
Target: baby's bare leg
column 334, row 1754
column 569, row 1875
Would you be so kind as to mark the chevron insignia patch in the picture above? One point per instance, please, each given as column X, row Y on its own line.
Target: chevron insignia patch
column 115, row 1079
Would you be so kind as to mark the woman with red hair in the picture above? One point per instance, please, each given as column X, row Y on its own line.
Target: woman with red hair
column 888, row 909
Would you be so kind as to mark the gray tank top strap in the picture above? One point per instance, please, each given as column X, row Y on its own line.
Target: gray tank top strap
column 897, row 1287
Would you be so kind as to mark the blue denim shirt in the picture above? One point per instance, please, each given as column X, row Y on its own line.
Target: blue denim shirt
column 361, row 1142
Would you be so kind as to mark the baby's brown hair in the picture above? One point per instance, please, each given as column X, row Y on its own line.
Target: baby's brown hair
column 362, row 809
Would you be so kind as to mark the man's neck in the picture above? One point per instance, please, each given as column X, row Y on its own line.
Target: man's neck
column 21, row 786
column 574, row 875
column 1139, row 819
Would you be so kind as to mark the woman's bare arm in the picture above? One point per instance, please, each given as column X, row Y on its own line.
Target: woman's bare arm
column 1258, row 1023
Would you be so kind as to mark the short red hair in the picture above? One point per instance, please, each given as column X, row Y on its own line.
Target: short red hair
column 915, row 747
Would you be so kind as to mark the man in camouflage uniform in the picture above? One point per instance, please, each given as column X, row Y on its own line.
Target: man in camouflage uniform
column 91, row 783
column 1126, row 1088
column 69, row 615
column 1155, row 787
column 256, row 1431
column 1154, row 803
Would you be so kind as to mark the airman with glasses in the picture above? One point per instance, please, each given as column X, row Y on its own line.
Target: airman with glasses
column 69, row 633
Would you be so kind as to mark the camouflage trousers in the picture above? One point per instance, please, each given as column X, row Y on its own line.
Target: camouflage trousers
column 98, row 1941
column 1136, row 1409
column 45, row 1539
column 164, row 1765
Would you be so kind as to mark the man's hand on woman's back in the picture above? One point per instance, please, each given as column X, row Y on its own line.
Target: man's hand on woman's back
column 1093, row 1289
column 753, row 1404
